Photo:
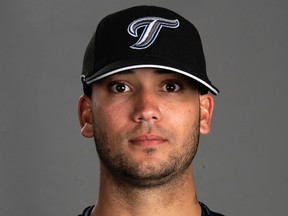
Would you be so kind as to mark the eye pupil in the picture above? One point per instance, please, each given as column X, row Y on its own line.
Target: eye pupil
column 170, row 87
column 120, row 88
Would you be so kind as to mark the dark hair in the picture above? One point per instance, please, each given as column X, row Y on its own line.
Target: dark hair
column 87, row 89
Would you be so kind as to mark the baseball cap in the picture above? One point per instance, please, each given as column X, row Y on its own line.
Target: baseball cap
column 145, row 37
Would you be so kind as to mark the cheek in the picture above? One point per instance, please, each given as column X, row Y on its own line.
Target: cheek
column 182, row 119
column 111, row 118
column 182, row 113
column 107, row 129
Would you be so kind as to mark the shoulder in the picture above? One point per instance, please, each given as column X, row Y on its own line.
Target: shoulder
column 216, row 214
column 207, row 212
column 87, row 211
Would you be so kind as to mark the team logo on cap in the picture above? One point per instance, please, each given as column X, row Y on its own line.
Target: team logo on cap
column 152, row 27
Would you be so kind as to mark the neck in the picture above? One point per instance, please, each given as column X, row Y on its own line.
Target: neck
column 177, row 197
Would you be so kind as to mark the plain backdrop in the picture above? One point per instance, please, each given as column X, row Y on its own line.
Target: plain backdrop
column 47, row 167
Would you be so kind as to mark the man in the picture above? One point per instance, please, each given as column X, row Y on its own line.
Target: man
column 146, row 100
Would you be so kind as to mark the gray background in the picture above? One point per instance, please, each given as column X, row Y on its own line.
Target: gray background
column 47, row 168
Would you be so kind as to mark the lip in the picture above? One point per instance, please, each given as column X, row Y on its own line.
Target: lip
column 148, row 140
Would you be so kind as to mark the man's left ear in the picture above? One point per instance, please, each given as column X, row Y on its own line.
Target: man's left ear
column 206, row 111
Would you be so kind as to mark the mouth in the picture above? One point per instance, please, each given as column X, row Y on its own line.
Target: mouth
column 148, row 140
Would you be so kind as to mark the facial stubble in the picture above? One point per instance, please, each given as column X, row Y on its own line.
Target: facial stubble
column 123, row 169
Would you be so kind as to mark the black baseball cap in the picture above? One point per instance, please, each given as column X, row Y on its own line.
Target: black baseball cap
column 145, row 37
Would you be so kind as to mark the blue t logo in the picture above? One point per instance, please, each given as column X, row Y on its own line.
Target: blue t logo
column 152, row 27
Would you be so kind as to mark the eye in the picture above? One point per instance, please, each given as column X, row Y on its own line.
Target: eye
column 120, row 88
column 171, row 87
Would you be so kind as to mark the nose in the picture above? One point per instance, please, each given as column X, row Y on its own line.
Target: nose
column 146, row 107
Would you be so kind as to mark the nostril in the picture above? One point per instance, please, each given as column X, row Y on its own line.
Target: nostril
column 146, row 118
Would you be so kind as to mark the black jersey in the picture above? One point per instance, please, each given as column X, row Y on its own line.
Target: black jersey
column 205, row 211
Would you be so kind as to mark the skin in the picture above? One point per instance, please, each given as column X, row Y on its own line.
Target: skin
column 146, row 125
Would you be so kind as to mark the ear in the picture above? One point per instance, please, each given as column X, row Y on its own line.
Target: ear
column 85, row 116
column 206, row 111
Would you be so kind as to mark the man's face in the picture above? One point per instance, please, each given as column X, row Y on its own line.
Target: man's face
column 146, row 125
